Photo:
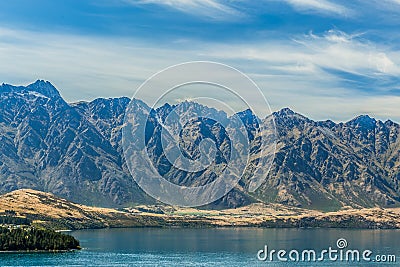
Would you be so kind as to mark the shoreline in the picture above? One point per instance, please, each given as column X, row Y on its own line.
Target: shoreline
column 37, row 251
column 234, row 227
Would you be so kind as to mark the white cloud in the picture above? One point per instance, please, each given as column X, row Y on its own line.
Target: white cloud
column 225, row 10
column 338, row 50
column 394, row 1
column 290, row 73
column 214, row 9
column 81, row 67
column 323, row 6
column 308, row 73
column 313, row 53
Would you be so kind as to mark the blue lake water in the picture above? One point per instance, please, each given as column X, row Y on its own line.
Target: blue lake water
column 208, row 247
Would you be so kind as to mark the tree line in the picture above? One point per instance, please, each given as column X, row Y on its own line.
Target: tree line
column 29, row 238
column 14, row 220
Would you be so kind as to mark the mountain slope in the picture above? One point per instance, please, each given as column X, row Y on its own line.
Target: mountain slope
column 325, row 165
column 74, row 150
column 49, row 145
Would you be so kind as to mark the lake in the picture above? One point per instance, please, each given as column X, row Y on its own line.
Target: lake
column 210, row 247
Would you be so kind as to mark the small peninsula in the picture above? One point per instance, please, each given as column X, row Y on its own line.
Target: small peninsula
column 28, row 238
column 17, row 234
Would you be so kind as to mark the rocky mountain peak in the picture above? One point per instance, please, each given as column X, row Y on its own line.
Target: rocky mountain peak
column 389, row 123
column 45, row 88
column 4, row 87
column 288, row 118
column 288, row 113
column 363, row 121
column 285, row 111
column 246, row 113
column 248, row 117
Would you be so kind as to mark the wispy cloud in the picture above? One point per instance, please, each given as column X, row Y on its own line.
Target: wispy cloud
column 214, row 9
column 310, row 53
column 394, row 1
column 310, row 73
column 225, row 10
column 334, row 67
column 320, row 6
column 81, row 67
column 350, row 53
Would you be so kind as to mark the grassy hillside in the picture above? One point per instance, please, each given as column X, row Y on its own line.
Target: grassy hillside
column 44, row 210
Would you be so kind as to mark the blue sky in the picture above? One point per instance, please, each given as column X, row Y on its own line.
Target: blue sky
column 325, row 59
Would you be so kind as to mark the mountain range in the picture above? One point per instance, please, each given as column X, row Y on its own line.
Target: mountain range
column 74, row 151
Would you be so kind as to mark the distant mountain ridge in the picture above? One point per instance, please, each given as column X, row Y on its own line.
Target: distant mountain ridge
column 48, row 144
column 74, row 150
column 323, row 164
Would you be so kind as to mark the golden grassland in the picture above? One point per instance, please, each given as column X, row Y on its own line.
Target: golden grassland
column 47, row 210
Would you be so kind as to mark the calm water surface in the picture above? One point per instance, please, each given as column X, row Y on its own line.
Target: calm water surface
column 206, row 247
